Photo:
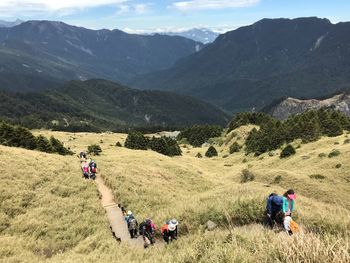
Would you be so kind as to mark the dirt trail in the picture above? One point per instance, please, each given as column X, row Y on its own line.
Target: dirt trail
column 115, row 215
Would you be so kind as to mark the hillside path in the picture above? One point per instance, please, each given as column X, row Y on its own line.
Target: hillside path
column 115, row 215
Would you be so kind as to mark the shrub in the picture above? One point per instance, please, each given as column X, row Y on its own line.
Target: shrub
column 234, row 148
column 339, row 165
column 277, row 179
column 165, row 145
column 43, row 144
column 211, row 152
column 346, row 141
column 197, row 135
column 271, row 154
column 247, row 176
column 244, row 160
column 317, row 176
column 136, row 141
column 118, row 144
column 334, row 153
column 287, row 151
column 199, row 155
column 57, row 147
column 322, row 155
column 225, row 156
column 94, row 149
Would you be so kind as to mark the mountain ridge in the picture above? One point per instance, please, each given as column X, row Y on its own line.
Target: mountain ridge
column 52, row 51
column 254, row 65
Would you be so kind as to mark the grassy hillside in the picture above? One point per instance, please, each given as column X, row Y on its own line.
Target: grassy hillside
column 195, row 190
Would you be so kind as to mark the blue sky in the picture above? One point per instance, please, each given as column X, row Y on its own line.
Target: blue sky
column 159, row 15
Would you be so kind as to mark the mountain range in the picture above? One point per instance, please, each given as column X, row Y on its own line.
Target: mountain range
column 103, row 105
column 202, row 35
column 252, row 66
column 44, row 54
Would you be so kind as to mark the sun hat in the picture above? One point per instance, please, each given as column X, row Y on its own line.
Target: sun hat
column 129, row 213
column 174, row 222
column 171, row 227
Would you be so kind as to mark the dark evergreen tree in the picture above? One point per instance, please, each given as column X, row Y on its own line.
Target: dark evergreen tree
column 211, row 152
column 94, row 149
column 287, row 151
column 43, row 144
column 136, row 141
column 234, row 148
column 197, row 135
column 165, row 145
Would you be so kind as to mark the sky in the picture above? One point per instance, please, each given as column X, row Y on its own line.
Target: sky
column 139, row 16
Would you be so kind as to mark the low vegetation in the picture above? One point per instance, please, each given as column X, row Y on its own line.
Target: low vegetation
column 211, row 152
column 197, row 135
column 308, row 126
column 163, row 145
column 94, row 149
column 287, row 151
column 17, row 136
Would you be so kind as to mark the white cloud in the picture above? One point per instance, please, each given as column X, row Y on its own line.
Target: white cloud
column 142, row 8
column 28, row 7
column 212, row 4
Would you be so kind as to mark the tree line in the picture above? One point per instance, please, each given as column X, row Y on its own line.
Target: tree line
column 18, row 136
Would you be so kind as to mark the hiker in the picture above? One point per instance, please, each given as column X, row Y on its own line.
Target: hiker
column 288, row 207
column 132, row 224
column 274, row 207
column 85, row 169
column 169, row 231
column 93, row 170
column 82, row 155
column 147, row 230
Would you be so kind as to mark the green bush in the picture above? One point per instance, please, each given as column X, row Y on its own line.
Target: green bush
column 211, row 152
column 346, row 141
column 165, row 145
column 43, row 144
column 57, row 147
column 277, row 179
column 197, row 135
column 136, row 141
column 199, row 155
column 247, row 176
column 118, row 144
column 339, row 165
column 94, row 149
column 308, row 127
column 234, row 148
column 287, row 151
column 322, row 155
column 334, row 153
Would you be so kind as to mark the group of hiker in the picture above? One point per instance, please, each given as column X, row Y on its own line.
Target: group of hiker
column 89, row 169
column 279, row 211
column 147, row 229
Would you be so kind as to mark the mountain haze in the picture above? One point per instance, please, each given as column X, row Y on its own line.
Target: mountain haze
column 43, row 54
column 202, row 35
column 254, row 65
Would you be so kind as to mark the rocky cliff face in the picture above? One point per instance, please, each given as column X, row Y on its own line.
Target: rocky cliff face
column 291, row 106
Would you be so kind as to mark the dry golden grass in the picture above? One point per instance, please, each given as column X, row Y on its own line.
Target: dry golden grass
column 65, row 215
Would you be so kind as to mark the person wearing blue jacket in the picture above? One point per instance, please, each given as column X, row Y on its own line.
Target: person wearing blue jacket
column 274, row 206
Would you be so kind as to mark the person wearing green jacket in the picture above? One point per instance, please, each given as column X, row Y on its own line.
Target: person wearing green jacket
column 288, row 207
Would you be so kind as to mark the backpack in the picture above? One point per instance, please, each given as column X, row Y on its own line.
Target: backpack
column 93, row 169
column 132, row 224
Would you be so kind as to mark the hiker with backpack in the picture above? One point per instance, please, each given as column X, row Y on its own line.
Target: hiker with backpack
column 93, row 169
column 85, row 169
column 169, row 231
column 147, row 230
column 132, row 224
column 279, row 210
column 274, row 209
